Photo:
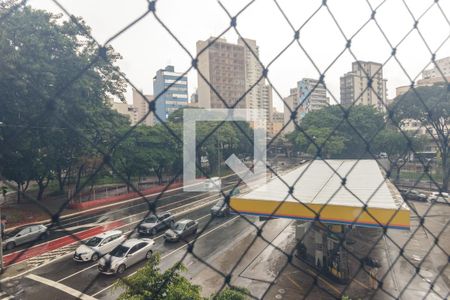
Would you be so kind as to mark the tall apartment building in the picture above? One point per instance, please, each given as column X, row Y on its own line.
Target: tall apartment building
column 444, row 67
column 232, row 69
column 277, row 123
column 172, row 88
column 312, row 95
column 354, row 85
column 260, row 94
column 142, row 108
column 223, row 66
column 290, row 105
column 431, row 76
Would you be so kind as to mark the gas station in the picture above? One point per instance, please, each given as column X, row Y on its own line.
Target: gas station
column 328, row 198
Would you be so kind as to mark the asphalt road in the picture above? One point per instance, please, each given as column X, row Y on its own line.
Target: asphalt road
column 85, row 278
column 74, row 224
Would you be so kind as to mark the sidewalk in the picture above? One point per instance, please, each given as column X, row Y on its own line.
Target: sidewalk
column 28, row 212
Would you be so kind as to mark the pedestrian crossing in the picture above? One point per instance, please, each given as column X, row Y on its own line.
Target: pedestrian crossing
column 51, row 255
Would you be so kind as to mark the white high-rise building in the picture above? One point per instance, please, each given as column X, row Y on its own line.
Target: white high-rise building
column 312, row 95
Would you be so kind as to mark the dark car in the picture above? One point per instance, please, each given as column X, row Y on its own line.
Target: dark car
column 413, row 195
column 181, row 229
column 220, row 209
column 155, row 223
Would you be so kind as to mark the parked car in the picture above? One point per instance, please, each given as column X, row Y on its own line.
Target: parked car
column 99, row 245
column 23, row 235
column 155, row 223
column 436, row 197
column 125, row 255
column 181, row 229
column 413, row 195
column 220, row 209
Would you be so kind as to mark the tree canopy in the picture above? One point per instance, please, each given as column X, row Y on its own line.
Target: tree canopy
column 55, row 89
column 430, row 105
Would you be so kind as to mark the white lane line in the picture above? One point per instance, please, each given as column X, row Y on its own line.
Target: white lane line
column 174, row 251
column 71, row 253
column 108, row 205
column 95, row 265
column 61, row 287
column 124, row 218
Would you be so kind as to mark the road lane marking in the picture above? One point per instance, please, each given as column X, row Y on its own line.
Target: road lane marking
column 71, row 252
column 61, row 287
column 95, row 264
column 294, row 283
column 25, row 251
column 109, row 205
column 173, row 252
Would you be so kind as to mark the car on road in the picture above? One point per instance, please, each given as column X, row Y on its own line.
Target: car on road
column 382, row 155
column 436, row 197
column 99, row 245
column 181, row 229
column 155, row 223
column 213, row 183
column 125, row 255
column 413, row 195
column 220, row 209
column 24, row 234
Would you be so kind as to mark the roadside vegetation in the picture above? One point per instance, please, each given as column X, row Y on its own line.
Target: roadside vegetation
column 150, row 282
column 57, row 128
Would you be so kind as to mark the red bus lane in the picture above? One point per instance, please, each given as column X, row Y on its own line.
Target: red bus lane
column 37, row 250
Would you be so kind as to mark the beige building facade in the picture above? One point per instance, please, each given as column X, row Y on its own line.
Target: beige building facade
column 125, row 109
column 221, row 65
column 290, row 104
column 354, row 85
column 431, row 76
column 142, row 108
column 233, row 70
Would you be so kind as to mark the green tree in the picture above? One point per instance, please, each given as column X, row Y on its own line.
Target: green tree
column 429, row 105
column 49, row 111
column 150, row 283
column 340, row 134
column 235, row 293
column 397, row 145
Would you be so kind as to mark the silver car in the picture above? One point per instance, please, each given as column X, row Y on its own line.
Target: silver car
column 99, row 245
column 23, row 235
column 125, row 255
column 437, row 197
column 153, row 224
column 181, row 229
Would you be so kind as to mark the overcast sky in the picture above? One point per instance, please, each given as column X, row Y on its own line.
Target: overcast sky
column 147, row 46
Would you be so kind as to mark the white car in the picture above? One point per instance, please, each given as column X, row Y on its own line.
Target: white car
column 213, row 183
column 125, row 255
column 436, row 197
column 99, row 245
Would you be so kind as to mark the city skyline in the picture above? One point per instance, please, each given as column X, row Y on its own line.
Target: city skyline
column 156, row 48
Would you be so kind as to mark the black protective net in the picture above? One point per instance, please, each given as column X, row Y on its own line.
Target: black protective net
column 361, row 275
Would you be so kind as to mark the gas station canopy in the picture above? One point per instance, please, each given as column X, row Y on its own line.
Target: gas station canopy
column 320, row 193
